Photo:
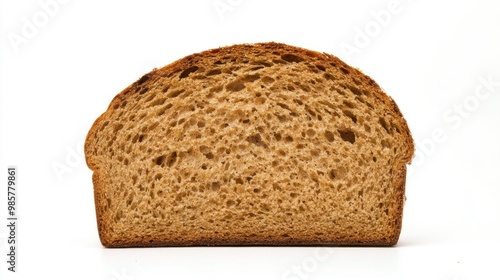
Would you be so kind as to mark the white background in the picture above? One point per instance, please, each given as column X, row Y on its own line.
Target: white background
column 63, row 62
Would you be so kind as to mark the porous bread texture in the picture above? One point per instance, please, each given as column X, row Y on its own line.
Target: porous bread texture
column 250, row 144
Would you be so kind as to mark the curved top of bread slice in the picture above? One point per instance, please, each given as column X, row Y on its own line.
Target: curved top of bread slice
column 250, row 144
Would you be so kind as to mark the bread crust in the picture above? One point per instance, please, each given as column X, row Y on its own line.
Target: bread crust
column 399, row 179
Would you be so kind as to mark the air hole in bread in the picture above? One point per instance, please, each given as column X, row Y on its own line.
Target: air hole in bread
column 284, row 106
column 215, row 186
column 298, row 101
column 397, row 129
column 331, row 174
column 118, row 215
column 175, row 93
column 159, row 160
column 281, row 118
column 130, row 199
column 200, row 124
column 329, row 136
column 251, row 78
column 235, row 86
column 255, row 68
column 158, row 102
column 149, row 97
column 321, row 67
column 263, row 62
column 188, row 71
column 354, row 90
column 214, row 72
column 291, row 58
column 310, row 111
column 385, row 144
column 357, row 82
column 350, row 115
column 361, row 100
column 256, row 139
column 164, row 109
column 117, row 128
column 204, row 149
column 171, row 159
column 107, row 204
column 329, row 76
column 303, row 87
column 383, row 123
column 238, row 181
column 211, row 156
column 265, row 207
column 348, row 104
column 277, row 136
column 267, row 80
column 300, row 146
column 347, row 135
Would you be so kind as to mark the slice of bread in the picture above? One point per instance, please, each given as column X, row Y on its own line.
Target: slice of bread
column 250, row 144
